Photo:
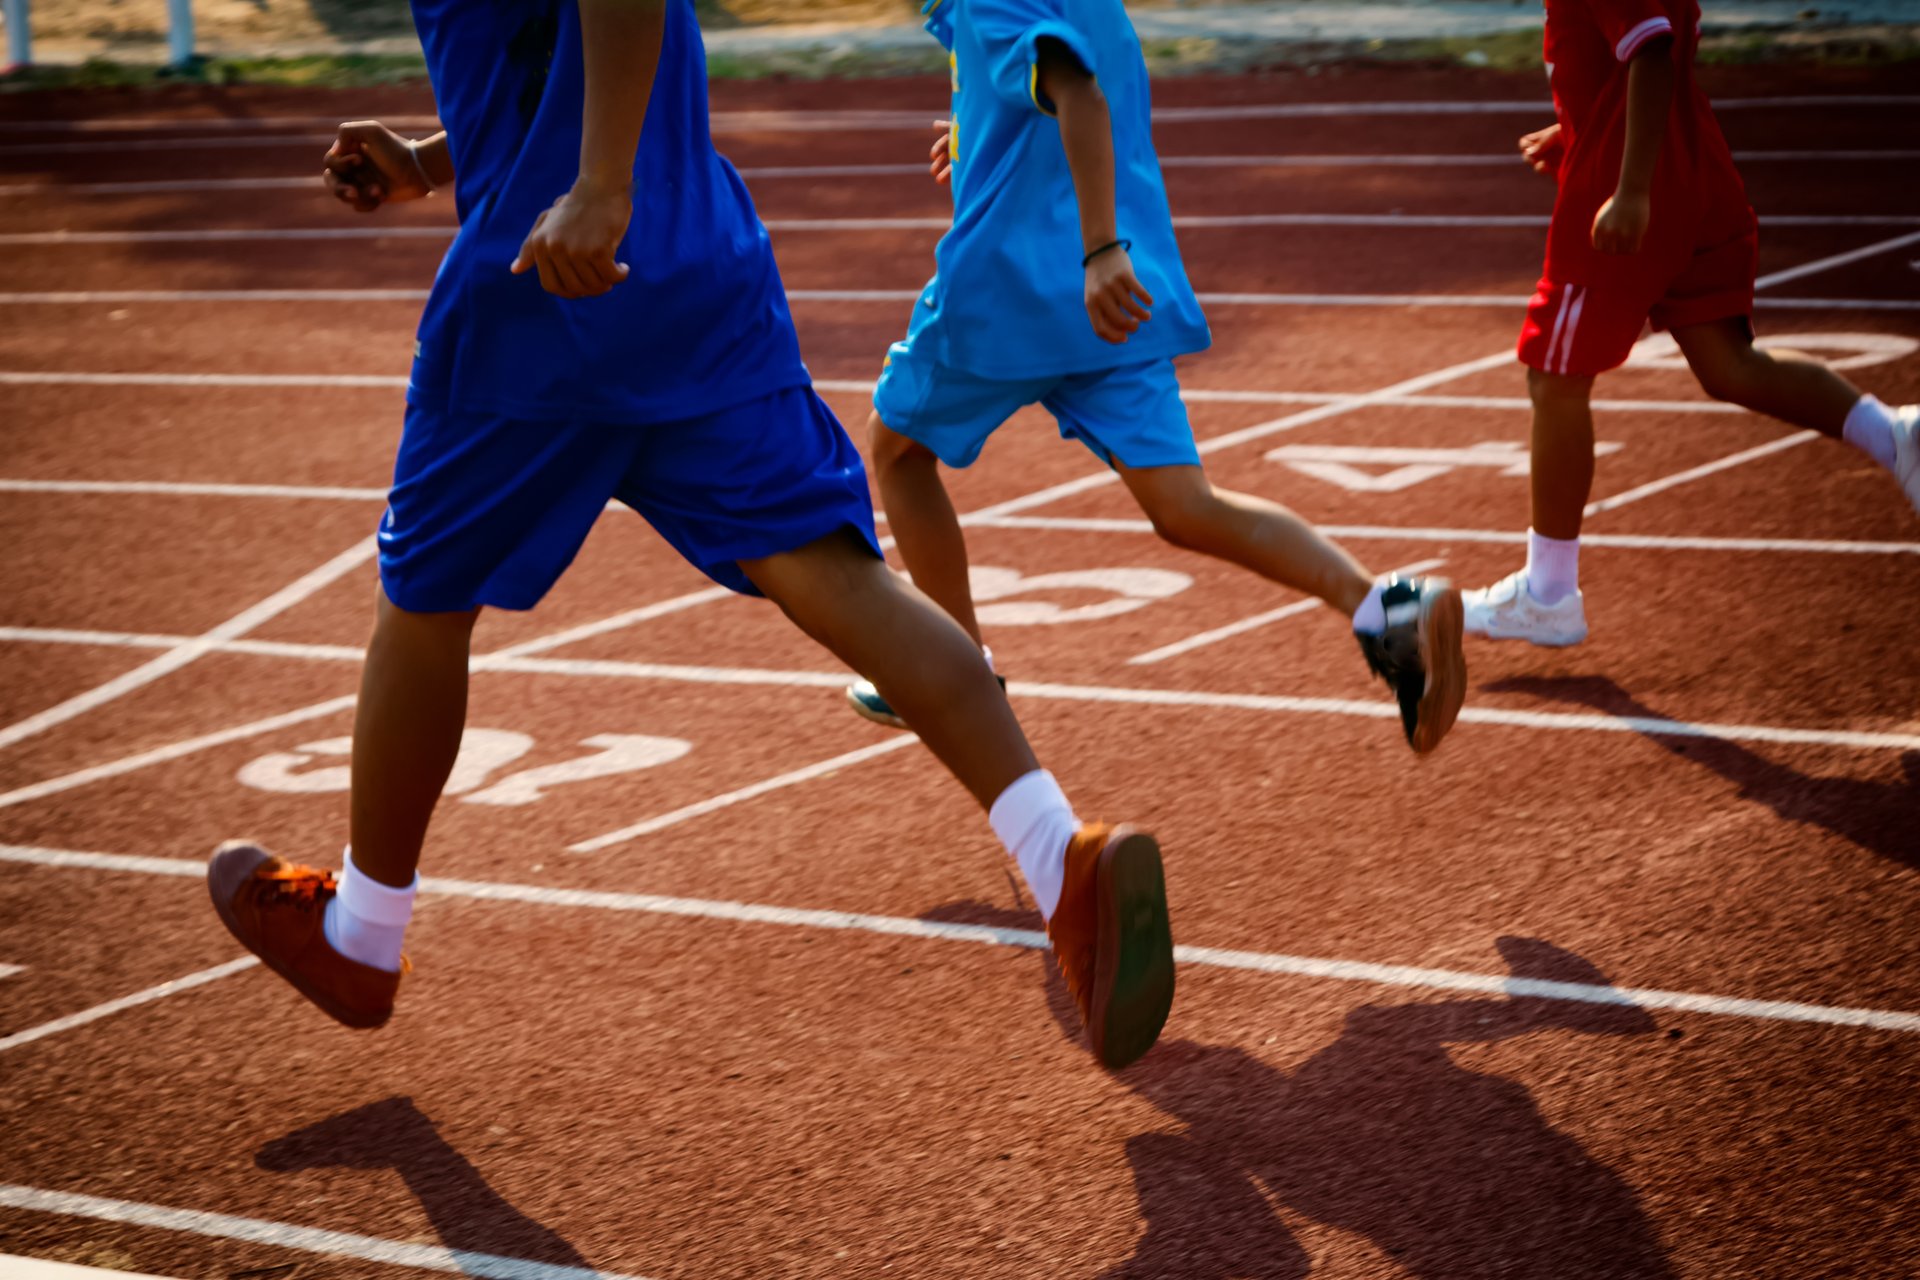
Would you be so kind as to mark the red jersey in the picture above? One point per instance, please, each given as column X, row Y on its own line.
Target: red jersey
column 1696, row 264
column 1697, row 194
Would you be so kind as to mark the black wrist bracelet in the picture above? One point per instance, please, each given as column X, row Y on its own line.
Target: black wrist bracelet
column 1111, row 244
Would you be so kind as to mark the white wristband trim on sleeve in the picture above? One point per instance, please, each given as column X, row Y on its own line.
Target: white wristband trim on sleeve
column 1640, row 35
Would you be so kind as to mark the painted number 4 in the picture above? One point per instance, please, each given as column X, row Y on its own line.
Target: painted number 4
column 483, row 753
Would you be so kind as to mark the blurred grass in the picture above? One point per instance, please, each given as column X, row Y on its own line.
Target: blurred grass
column 1510, row 51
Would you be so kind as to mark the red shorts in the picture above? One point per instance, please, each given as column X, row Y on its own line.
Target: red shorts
column 1587, row 322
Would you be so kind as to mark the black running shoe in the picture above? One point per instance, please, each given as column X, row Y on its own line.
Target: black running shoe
column 1419, row 655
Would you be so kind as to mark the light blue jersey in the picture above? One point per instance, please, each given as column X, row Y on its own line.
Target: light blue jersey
column 1008, row 298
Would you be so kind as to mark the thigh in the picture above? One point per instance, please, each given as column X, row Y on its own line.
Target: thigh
column 1716, row 284
column 490, row 511
column 949, row 411
column 1586, row 328
column 750, row 481
column 1132, row 415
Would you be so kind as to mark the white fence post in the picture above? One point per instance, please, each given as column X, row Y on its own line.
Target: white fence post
column 19, row 34
column 179, row 32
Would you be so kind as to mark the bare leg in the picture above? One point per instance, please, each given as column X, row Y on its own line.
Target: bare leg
column 1259, row 535
column 922, row 520
column 1781, row 384
column 406, row 733
column 924, row 665
column 1562, row 452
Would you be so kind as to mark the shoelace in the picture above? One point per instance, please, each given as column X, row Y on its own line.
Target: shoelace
column 301, row 885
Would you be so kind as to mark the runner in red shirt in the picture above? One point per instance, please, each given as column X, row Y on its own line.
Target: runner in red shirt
column 1652, row 223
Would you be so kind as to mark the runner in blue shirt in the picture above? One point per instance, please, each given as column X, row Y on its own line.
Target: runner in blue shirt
column 1060, row 218
column 609, row 324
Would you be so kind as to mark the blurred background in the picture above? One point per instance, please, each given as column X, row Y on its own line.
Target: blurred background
column 330, row 41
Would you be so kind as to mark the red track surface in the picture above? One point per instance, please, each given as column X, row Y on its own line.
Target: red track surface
column 614, row 1083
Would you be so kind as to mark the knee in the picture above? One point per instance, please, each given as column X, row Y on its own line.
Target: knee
column 1558, row 393
column 1731, row 376
column 1186, row 519
column 891, row 451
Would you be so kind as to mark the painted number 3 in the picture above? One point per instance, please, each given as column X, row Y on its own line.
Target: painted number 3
column 483, row 753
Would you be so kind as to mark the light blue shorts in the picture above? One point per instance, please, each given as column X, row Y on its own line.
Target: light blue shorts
column 1131, row 414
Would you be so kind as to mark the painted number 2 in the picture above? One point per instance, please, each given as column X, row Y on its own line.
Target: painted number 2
column 483, row 752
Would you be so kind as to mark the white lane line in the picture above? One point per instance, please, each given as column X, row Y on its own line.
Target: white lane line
column 111, row 1007
column 1837, row 260
column 232, row 629
column 1642, row 542
column 1119, row 696
column 226, row 235
column 157, row 186
column 1288, row 159
column 1210, row 222
column 1253, row 623
column 816, row 120
column 282, row 1235
column 1489, row 159
column 1652, row 726
column 150, row 640
column 90, row 297
column 848, row 386
column 172, row 751
column 1705, row 469
column 727, row 800
column 214, row 124
column 1391, row 975
column 195, row 489
column 35, row 377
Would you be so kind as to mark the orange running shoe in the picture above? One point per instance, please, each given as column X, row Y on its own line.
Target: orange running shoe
column 275, row 908
column 1112, row 941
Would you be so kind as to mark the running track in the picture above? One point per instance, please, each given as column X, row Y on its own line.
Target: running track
column 717, row 980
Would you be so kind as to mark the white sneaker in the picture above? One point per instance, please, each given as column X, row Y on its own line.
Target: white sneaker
column 1906, row 451
column 1507, row 610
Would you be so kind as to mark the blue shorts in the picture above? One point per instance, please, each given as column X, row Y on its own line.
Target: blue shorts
column 490, row 511
column 1132, row 414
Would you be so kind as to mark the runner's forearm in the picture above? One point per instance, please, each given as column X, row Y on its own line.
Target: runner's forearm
column 620, row 40
column 1649, row 101
column 1086, row 131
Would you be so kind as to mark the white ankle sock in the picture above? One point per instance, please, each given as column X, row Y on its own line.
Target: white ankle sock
column 1034, row 822
column 367, row 920
column 1553, row 567
column 1870, row 429
column 1370, row 619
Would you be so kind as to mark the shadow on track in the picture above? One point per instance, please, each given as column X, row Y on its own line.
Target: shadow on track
column 1448, row 1172
column 1877, row 816
column 469, row 1216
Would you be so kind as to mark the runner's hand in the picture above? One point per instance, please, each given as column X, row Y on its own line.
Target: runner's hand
column 1542, row 150
column 573, row 243
column 1621, row 224
column 942, row 153
column 369, row 165
column 1116, row 303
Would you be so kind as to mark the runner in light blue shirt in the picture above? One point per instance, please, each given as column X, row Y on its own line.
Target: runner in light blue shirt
column 1060, row 219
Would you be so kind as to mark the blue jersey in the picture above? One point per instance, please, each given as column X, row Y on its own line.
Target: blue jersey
column 1008, row 297
column 700, row 323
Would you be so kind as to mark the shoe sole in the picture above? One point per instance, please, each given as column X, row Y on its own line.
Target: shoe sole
column 865, row 712
column 1538, row 641
column 1133, row 962
column 225, row 875
column 1444, row 657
